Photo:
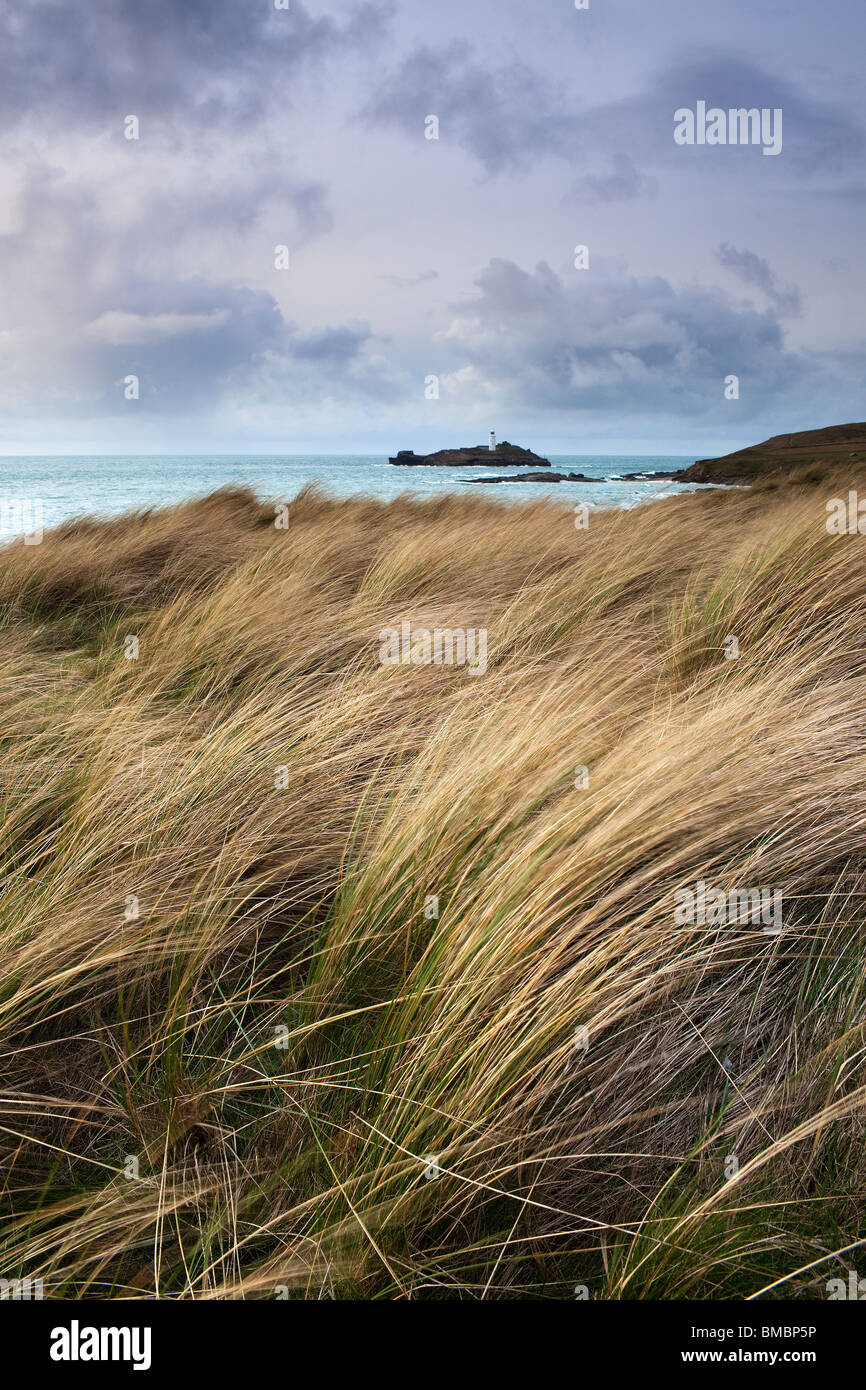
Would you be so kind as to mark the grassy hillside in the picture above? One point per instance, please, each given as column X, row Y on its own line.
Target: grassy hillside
column 811, row 454
column 240, row 1055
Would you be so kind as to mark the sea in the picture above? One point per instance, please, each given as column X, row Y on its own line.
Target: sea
column 45, row 490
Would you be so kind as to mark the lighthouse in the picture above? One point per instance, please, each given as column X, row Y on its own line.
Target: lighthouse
column 492, row 443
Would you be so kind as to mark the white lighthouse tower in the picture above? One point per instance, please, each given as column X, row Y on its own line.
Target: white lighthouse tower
column 492, row 443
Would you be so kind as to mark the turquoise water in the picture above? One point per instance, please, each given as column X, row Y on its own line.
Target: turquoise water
column 78, row 485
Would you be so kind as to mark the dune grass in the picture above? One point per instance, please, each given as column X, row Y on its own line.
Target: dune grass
column 326, row 978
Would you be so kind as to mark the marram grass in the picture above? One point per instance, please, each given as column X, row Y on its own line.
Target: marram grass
column 327, row 978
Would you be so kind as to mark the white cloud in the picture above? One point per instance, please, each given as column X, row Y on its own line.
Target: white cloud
column 121, row 329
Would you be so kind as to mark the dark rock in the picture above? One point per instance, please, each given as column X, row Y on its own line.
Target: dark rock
column 537, row 478
column 669, row 474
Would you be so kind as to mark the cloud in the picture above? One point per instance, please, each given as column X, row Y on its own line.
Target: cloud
column 121, row 329
column 209, row 61
column 184, row 340
column 145, row 262
column 506, row 118
column 622, row 345
column 331, row 345
column 193, row 342
column 514, row 115
column 156, row 256
column 820, row 137
column 754, row 270
column 621, row 183
column 409, row 282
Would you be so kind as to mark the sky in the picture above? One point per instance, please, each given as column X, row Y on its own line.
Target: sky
column 431, row 292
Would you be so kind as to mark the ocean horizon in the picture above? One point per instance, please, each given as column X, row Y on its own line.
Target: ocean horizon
column 64, row 486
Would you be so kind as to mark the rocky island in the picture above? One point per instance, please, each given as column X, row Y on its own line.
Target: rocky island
column 472, row 456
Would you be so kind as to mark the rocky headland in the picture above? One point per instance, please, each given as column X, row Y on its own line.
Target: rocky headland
column 782, row 455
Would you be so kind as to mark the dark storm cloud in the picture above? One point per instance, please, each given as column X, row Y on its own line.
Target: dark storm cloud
column 818, row 135
column 510, row 117
column 208, row 60
column 752, row 269
column 630, row 345
column 193, row 343
column 182, row 340
column 506, row 118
